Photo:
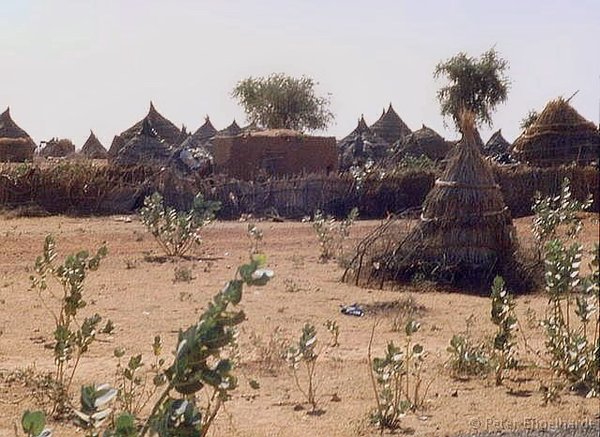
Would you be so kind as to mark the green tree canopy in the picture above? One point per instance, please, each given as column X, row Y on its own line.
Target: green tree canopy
column 280, row 101
column 476, row 85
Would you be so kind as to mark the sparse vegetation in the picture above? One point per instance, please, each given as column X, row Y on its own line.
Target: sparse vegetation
column 72, row 336
column 183, row 274
column 466, row 357
column 331, row 233
column 503, row 316
column 176, row 231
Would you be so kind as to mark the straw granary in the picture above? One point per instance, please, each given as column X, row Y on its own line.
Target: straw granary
column 360, row 146
column 465, row 234
column 57, row 148
column 422, row 142
column 560, row 135
column 230, row 131
column 93, row 148
column 146, row 148
column 390, row 126
column 15, row 144
column 164, row 128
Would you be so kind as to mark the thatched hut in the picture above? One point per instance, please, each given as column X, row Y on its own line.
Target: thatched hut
column 15, row 144
column 465, row 234
column 93, row 148
column 146, row 148
column 559, row 135
column 230, row 131
column 164, row 128
column 390, row 126
column 422, row 142
column 360, row 146
column 57, row 148
column 498, row 149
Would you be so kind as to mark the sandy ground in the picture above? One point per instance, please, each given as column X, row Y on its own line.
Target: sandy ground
column 143, row 300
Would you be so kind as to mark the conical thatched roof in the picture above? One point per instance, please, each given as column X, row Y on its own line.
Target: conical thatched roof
column 422, row 142
column 206, row 131
column 145, row 148
column 361, row 145
column 465, row 235
column 498, row 148
column 57, row 148
column 230, row 131
column 390, row 126
column 560, row 135
column 93, row 148
column 15, row 144
column 184, row 135
column 165, row 129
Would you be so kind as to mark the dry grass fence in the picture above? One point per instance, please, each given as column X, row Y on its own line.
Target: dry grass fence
column 83, row 188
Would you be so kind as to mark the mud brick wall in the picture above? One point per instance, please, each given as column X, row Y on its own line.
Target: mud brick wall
column 245, row 157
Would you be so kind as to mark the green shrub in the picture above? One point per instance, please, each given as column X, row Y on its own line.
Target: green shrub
column 331, row 233
column 176, row 231
column 503, row 316
column 72, row 337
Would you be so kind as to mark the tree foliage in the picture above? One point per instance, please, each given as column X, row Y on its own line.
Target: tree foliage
column 529, row 119
column 477, row 85
column 280, row 101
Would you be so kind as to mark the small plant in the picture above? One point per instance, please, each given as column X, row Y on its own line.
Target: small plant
column 183, row 274
column 271, row 354
column 396, row 379
column 255, row 235
column 33, row 424
column 503, row 316
column 466, row 357
column 176, row 231
column 203, row 362
column 304, row 354
column 334, row 329
column 134, row 390
column 72, row 336
column 331, row 233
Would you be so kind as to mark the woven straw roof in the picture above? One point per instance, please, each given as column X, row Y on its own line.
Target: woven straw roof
column 361, row 145
column 424, row 141
column 164, row 128
column 390, row 126
column 145, row 148
column 93, row 148
column 560, row 135
column 15, row 144
column 57, row 148
column 230, row 131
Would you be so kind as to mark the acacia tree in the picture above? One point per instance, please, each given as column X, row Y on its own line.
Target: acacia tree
column 280, row 101
column 476, row 85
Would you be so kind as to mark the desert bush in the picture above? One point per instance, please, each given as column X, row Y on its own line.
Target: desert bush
column 331, row 233
column 255, row 236
column 397, row 379
column 574, row 348
column 334, row 329
column 304, row 353
column 271, row 353
column 467, row 358
column 203, row 363
column 183, row 274
column 503, row 316
column 72, row 337
column 176, row 231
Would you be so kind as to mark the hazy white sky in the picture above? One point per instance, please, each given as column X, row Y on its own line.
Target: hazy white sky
column 68, row 66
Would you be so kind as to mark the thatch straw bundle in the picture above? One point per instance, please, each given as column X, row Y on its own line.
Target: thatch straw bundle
column 423, row 142
column 146, row 148
column 560, row 135
column 390, row 126
column 93, row 148
column 465, row 234
column 15, row 144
